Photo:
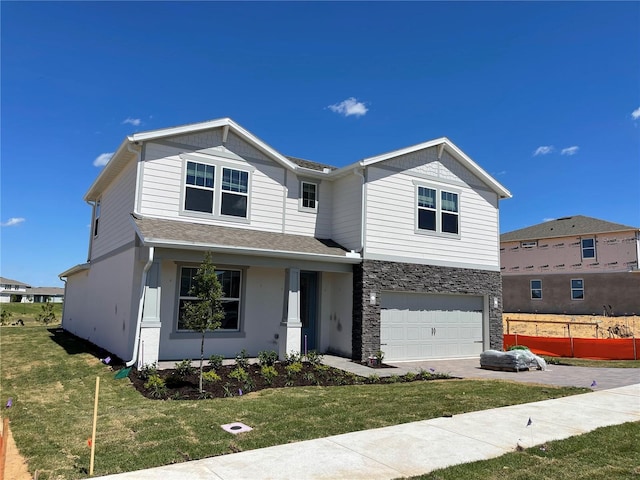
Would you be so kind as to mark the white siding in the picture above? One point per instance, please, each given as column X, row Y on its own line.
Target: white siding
column 347, row 201
column 116, row 203
column 162, row 188
column 391, row 214
column 318, row 223
column 101, row 304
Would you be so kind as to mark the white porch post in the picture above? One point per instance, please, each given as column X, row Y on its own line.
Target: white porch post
column 291, row 326
column 149, row 346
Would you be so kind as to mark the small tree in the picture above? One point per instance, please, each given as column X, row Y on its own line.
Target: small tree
column 207, row 312
column 47, row 315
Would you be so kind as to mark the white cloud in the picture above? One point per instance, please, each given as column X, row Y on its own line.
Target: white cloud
column 636, row 114
column 548, row 219
column 102, row 159
column 543, row 150
column 348, row 107
column 570, row 150
column 133, row 121
column 13, row 221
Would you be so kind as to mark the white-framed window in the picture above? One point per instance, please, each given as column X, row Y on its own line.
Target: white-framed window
column 438, row 210
column 217, row 190
column 577, row 289
column 231, row 281
column 588, row 246
column 96, row 218
column 536, row 289
column 308, row 195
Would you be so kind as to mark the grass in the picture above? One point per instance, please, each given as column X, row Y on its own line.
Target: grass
column 51, row 378
column 28, row 312
column 608, row 453
column 583, row 362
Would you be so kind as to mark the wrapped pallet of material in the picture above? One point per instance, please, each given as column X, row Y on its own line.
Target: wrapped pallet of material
column 513, row 360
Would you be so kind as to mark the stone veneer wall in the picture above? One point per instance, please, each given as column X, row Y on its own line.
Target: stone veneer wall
column 378, row 276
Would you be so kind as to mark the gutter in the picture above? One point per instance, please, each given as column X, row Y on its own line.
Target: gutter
column 136, row 342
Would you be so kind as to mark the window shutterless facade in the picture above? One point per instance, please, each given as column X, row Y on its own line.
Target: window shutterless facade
column 588, row 246
column 308, row 195
column 536, row 289
column 217, row 190
column 438, row 210
column 231, row 281
column 577, row 289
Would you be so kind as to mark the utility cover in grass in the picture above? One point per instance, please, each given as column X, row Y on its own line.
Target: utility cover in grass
column 236, row 428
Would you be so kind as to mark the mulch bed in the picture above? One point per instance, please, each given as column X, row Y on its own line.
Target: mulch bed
column 185, row 387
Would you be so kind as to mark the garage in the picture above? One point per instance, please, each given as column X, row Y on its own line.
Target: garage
column 416, row 326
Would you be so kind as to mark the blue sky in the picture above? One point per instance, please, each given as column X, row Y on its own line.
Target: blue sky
column 544, row 96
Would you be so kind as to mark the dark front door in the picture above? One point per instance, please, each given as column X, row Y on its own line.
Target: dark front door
column 308, row 310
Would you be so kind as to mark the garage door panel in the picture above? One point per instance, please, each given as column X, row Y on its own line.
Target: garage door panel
column 422, row 326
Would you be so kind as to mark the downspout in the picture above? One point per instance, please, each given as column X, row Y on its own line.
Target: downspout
column 147, row 266
column 361, row 175
column 63, row 302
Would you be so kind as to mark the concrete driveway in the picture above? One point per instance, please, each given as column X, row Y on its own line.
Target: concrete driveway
column 595, row 378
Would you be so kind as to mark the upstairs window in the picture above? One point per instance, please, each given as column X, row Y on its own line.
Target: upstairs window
column 308, row 195
column 438, row 211
column 235, row 192
column 216, row 190
column 588, row 248
column 96, row 219
column 199, row 192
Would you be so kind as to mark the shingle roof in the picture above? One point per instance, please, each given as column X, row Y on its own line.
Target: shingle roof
column 8, row 281
column 49, row 291
column 566, row 226
column 178, row 234
column 309, row 164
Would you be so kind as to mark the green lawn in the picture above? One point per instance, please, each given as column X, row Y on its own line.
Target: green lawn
column 608, row 453
column 51, row 378
column 28, row 312
column 584, row 362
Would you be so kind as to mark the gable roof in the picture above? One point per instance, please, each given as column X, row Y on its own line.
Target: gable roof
column 47, row 291
column 8, row 281
column 156, row 232
column 563, row 227
column 443, row 143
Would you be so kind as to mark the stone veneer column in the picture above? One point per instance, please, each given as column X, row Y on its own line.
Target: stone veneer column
column 375, row 276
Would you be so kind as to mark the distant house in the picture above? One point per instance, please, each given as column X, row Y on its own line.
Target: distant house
column 44, row 295
column 572, row 265
column 12, row 290
column 397, row 252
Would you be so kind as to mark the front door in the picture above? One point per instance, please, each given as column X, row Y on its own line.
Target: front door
column 308, row 310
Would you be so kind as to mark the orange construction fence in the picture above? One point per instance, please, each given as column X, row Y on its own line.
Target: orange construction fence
column 593, row 348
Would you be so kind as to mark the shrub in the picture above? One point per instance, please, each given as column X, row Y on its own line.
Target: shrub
column 5, row 315
column 184, row 368
column 242, row 359
column 293, row 369
column 267, row 357
column 410, row 376
column 210, row 377
column 47, row 315
column 314, row 358
column 148, row 370
column 518, row 347
column 269, row 373
column 292, row 357
column 215, row 361
column 373, row 378
column 239, row 374
column 156, row 386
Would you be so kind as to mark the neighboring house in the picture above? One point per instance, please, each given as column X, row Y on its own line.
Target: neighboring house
column 572, row 265
column 12, row 289
column 44, row 295
column 397, row 252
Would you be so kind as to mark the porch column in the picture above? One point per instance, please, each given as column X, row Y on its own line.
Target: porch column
column 291, row 326
column 149, row 346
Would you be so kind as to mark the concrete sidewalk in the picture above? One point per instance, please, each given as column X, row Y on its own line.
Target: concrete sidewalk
column 415, row 448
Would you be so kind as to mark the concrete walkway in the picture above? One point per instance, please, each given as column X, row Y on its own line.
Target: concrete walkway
column 415, row 448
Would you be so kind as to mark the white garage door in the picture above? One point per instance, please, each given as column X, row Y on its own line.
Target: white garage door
column 415, row 326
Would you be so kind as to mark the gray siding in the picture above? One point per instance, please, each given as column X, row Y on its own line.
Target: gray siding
column 347, row 201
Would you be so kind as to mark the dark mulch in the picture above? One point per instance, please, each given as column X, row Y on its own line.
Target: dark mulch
column 185, row 387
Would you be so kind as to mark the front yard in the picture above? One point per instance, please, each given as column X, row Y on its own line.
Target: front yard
column 51, row 379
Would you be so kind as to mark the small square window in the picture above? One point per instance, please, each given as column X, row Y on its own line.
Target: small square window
column 588, row 248
column 536, row 289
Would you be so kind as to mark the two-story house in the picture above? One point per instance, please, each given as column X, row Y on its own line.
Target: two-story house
column 397, row 252
column 12, row 289
column 572, row 265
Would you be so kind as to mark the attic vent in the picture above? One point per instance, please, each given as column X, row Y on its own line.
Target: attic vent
column 563, row 218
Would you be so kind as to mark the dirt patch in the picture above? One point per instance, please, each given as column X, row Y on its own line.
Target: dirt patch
column 15, row 466
column 607, row 327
